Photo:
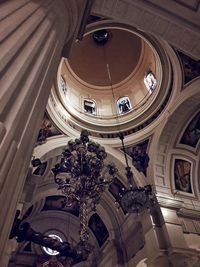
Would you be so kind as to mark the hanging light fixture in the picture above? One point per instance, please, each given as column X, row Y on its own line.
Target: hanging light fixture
column 134, row 199
column 82, row 175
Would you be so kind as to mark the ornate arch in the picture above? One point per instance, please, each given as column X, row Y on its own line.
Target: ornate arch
column 165, row 146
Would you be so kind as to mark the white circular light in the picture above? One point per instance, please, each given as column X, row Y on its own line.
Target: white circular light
column 49, row 251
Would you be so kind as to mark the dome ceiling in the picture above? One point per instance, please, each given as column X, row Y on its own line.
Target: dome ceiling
column 121, row 52
column 99, row 74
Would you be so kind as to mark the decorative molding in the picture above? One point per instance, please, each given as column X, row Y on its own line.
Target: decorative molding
column 192, row 214
column 169, row 202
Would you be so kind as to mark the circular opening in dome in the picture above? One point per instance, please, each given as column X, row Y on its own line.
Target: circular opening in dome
column 50, row 251
column 100, row 37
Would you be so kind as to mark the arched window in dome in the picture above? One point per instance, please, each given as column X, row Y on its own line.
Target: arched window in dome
column 123, row 104
column 90, row 106
column 150, row 81
column 63, row 85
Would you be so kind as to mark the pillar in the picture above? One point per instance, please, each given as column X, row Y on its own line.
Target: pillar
column 165, row 243
column 180, row 255
column 32, row 36
column 156, row 239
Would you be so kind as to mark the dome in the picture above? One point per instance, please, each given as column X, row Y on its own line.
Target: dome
column 112, row 79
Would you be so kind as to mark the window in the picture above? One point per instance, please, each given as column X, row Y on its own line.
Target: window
column 123, row 105
column 63, row 85
column 90, row 107
column 49, row 251
column 150, row 81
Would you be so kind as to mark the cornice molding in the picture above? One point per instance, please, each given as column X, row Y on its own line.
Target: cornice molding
column 178, row 205
column 169, row 202
column 192, row 214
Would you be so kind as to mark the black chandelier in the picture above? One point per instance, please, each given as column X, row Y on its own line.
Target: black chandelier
column 82, row 175
column 135, row 199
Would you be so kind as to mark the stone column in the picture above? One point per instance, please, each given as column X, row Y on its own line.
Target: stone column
column 156, row 239
column 32, row 36
column 165, row 243
column 156, row 254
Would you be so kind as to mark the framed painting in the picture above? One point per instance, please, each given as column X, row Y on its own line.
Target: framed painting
column 182, row 176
